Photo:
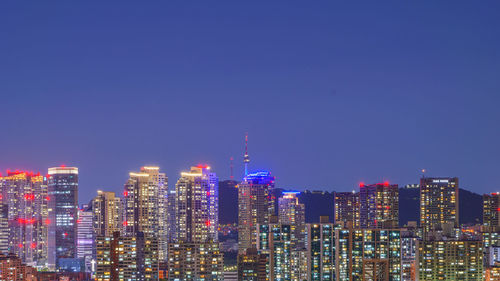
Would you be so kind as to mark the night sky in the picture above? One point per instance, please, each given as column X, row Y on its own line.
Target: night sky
column 331, row 93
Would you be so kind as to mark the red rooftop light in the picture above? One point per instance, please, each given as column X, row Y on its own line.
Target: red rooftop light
column 361, row 184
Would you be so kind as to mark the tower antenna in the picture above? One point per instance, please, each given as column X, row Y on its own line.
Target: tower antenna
column 246, row 158
column 231, row 159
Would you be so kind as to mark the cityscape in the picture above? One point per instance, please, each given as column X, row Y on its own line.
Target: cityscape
column 163, row 230
column 222, row 140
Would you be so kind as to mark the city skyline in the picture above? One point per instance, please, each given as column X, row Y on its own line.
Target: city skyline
column 331, row 94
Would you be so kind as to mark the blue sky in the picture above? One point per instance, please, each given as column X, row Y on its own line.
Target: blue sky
column 332, row 93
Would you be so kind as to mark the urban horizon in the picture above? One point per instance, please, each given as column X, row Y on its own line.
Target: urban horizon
column 250, row 141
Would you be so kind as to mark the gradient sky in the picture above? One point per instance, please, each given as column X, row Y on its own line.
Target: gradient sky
column 332, row 93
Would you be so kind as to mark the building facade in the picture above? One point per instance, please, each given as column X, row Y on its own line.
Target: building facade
column 126, row 257
column 450, row 260
column 197, row 205
column 347, row 208
column 255, row 206
column 25, row 211
column 63, row 213
column 438, row 203
column 379, row 205
column 107, row 210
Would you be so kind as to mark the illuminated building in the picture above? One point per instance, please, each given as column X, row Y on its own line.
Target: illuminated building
column 275, row 241
column 126, row 257
column 85, row 234
column 293, row 213
column 408, row 258
column 438, row 203
column 63, row 211
column 368, row 252
column 13, row 269
column 145, row 203
column 450, row 260
column 252, row 266
column 347, row 208
column 4, row 228
column 379, row 205
column 194, row 251
column 107, row 210
column 255, row 206
column 195, row 261
column 197, row 205
column 25, row 209
column 491, row 211
column 171, row 216
column 321, row 251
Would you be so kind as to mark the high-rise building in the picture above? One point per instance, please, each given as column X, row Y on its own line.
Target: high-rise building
column 372, row 254
column 197, row 205
column 491, row 211
column 252, row 266
column 107, row 210
column 4, row 228
column 254, row 207
column 171, row 216
column 274, row 240
column 293, row 213
column 408, row 258
column 194, row 250
column 438, row 203
column 63, row 212
column 285, row 260
column 85, row 234
column 379, row 205
column 126, row 257
column 347, row 208
column 145, row 203
column 195, row 261
column 450, row 260
column 321, row 264
column 25, row 210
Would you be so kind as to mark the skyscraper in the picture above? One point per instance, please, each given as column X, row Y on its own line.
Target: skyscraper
column 145, row 206
column 107, row 211
column 197, row 205
column 85, row 234
column 254, row 207
column 321, row 257
column 293, row 213
column 4, row 228
column 438, row 203
column 379, row 205
column 491, row 211
column 25, row 199
column 63, row 212
column 194, row 250
column 347, row 208
column 275, row 241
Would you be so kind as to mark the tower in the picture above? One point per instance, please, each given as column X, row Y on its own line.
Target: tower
column 197, row 205
column 254, row 205
column 246, row 158
column 63, row 203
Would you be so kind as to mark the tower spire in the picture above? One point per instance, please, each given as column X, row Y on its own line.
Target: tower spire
column 231, row 159
column 246, row 158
